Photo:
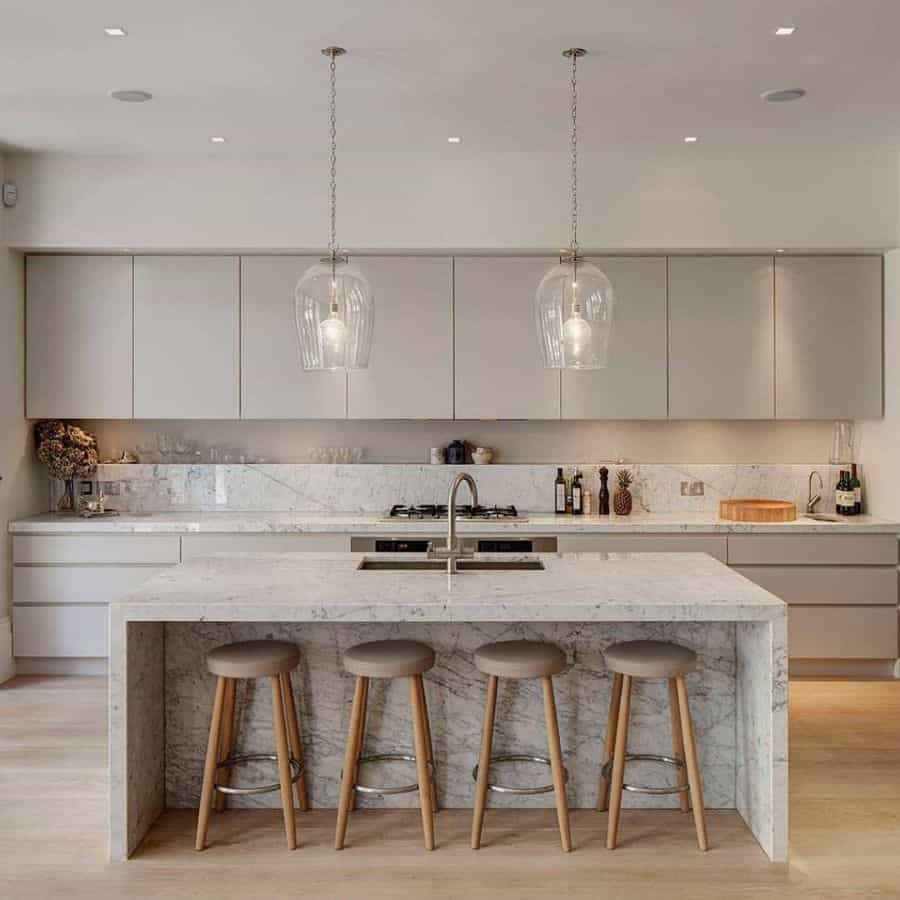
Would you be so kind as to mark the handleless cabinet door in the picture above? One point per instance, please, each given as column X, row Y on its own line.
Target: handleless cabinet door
column 79, row 323
column 186, row 345
column 410, row 374
column 721, row 338
column 274, row 385
column 499, row 373
column 633, row 385
column 828, row 332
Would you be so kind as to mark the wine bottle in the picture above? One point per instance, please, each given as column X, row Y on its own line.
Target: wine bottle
column 856, row 487
column 577, row 494
column 844, row 497
column 560, row 492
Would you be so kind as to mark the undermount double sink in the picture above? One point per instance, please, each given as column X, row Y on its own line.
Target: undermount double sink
column 369, row 564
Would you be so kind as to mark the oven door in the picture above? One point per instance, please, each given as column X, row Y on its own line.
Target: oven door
column 491, row 544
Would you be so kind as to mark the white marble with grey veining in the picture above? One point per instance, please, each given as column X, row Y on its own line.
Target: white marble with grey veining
column 582, row 601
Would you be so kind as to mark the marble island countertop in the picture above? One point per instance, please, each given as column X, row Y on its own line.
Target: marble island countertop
column 360, row 523
column 329, row 587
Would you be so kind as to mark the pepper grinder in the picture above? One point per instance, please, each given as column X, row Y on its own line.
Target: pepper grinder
column 603, row 493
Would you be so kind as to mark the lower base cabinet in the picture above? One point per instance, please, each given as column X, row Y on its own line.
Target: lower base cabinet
column 842, row 632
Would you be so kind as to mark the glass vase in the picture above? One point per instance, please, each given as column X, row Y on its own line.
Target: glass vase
column 66, row 502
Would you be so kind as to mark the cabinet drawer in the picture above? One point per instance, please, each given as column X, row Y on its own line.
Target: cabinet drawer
column 77, row 584
column 61, row 631
column 827, row 585
column 96, row 548
column 842, row 632
column 813, row 549
column 643, row 543
column 195, row 545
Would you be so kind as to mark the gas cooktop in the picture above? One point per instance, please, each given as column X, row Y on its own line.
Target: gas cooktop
column 463, row 511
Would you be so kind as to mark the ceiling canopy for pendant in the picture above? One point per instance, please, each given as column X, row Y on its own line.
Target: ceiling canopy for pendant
column 334, row 309
column 574, row 302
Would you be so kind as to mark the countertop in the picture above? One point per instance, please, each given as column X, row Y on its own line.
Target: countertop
column 328, row 587
column 252, row 522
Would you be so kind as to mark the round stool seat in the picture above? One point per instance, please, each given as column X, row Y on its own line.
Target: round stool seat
column 253, row 659
column 520, row 659
column 650, row 659
column 388, row 659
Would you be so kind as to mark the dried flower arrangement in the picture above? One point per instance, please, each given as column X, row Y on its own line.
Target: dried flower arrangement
column 67, row 451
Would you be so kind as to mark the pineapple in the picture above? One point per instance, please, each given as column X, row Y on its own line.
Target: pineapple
column 622, row 497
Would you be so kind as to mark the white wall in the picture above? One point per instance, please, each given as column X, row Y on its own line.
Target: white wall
column 880, row 440
column 465, row 197
column 23, row 489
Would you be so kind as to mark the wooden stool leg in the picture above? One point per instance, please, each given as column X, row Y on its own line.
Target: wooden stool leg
column 610, row 743
column 618, row 772
column 556, row 765
column 422, row 771
column 351, row 757
column 484, row 762
column 430, row 745
column 690, row 758
column 678, row 743
column 293, row 730
column 284, row 764
column 361, row 742
column 209, row 769
column 226, row 742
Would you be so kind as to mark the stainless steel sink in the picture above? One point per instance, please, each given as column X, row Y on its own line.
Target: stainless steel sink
column 823, row 517
column 369, row 564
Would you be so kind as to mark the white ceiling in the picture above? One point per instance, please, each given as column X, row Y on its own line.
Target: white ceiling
column 420, row 70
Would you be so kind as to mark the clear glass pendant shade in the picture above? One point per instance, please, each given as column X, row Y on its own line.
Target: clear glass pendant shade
column 574, row 315
column 335, row 315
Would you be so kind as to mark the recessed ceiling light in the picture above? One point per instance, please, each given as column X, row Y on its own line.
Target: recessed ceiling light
column 115, row 31
column 217, row 139
column 691, row 139
column 131, row 96
column 785, row 30
column 454, row 140
column 783, row 95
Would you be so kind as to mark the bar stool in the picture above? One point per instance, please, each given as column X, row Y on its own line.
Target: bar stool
column 650, row 659
column 520, row 659
column 388, row 659
column 253, row 659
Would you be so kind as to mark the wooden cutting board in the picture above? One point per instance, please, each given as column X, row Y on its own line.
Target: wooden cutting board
column 758, row 510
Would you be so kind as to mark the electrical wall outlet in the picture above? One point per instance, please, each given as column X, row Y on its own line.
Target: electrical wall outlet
column 696, row 489
column 685, row 485
column 110, row 488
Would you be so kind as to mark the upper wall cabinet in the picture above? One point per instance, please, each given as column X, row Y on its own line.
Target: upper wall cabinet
column 410, row 374
column 828, row 331
column 721, row 338
column 274, row 385
column 78, row 345
column 499, row 371
column 186, row 353
column 633, row 385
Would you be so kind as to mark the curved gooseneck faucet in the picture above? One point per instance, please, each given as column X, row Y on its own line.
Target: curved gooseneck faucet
column 452, row 552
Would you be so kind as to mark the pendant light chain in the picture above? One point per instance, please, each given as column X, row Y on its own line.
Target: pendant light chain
column 574, row 150
column 332, row 243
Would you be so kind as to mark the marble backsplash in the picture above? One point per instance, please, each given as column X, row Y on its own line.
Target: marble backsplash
column 373, row 488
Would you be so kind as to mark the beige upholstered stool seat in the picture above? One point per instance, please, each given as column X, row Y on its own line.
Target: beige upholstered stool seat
column 388, row 659
column 253, row 659
column 520, row 659
column 650, row 659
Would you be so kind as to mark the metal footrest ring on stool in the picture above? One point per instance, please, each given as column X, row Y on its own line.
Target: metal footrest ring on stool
column 672, row 761
column 380, row 791
column 296, row 772
column 519, row 757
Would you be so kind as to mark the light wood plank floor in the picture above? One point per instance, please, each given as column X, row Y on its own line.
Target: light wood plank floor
column 845, row 825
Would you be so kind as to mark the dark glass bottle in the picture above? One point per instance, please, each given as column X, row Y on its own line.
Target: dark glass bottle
column 559, row 492
column 603, row 493
column 577, row 494
column 856, row 487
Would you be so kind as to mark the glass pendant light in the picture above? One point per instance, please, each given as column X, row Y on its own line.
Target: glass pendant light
column 574, row 301
column 333, row 304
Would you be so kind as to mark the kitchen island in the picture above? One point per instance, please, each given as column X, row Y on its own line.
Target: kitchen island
column 161, row 693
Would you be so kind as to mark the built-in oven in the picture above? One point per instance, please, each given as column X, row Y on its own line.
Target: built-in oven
column 489, row 544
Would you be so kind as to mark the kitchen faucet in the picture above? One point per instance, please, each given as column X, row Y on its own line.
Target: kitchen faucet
column 452, row 552
column 812, row 502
